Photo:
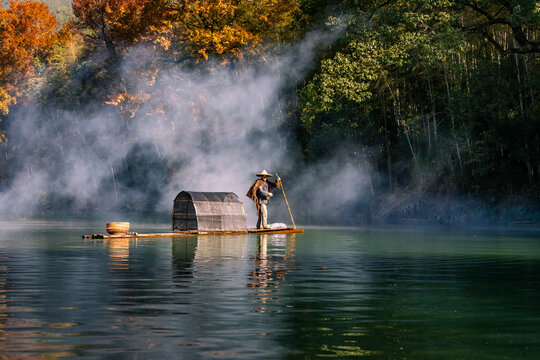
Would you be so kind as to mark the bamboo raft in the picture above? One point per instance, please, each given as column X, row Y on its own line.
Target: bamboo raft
column 289, row 230
column 200, row 213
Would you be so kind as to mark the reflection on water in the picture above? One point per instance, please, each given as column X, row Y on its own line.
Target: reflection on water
column 118, row 250
column 325, row 293
column 270, row 269
column 28, row 338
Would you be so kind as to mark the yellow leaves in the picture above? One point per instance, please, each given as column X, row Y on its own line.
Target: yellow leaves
column 164, row 42
column 152, row 78
column 200, row 30
column 116, row 100
column 160, row 35
column 197, row 28
column 5, row 101
column 203, row 54
column 217, row 9
column 67, row 47
column 128, row 104
column 269, row 19
column 229, row 40
column 227, row 29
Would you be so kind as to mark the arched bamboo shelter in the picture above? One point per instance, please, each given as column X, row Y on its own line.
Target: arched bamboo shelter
column 208, row 211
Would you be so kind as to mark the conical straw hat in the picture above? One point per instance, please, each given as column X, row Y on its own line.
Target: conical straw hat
column 264, row 173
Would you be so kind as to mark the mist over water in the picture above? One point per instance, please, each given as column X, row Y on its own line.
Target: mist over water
column 207, row 131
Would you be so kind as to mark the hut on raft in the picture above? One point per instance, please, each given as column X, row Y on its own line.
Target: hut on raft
column 208, row 211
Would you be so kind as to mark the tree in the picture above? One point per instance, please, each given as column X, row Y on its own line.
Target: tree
column 210, row 28
column 227, row 28
column 118, row 23
column 192, row 32
column 521, row 18
column 27, row 32
column 446, row 109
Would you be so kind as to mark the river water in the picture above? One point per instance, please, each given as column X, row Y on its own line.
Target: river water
column 327, row 293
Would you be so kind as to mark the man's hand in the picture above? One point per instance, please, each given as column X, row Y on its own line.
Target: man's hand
column 270, row 195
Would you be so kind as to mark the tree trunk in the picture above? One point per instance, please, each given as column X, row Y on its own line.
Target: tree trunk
column 434, row 115
column 522, row 107
column 400, row 121
column 387, row 142
column 451, row 111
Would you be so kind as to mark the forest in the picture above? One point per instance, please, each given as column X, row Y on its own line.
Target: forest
column 408, row 110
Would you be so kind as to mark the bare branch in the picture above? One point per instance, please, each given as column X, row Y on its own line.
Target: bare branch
column 526, row 46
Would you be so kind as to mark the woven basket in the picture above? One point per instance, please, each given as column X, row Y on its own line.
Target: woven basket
column 118, row 228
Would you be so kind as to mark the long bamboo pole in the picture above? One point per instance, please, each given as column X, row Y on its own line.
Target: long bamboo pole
column 287, row 202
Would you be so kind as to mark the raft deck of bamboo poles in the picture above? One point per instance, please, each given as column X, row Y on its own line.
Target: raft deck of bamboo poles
column 289, row 230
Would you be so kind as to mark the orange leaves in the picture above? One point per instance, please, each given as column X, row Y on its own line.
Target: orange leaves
column 184, row 32
column 119, row 23
column 186, row 28
column 160, row 35
column 127, row 103
column 27, row 32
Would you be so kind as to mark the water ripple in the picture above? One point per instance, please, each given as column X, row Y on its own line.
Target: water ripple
column 326, row 293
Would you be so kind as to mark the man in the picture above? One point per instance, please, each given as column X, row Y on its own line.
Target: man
column 260, row 193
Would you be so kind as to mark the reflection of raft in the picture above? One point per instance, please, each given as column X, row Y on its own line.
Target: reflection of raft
column 204, row 213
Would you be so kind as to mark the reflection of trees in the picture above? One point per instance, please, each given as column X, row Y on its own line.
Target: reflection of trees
column 326, row 301
column 3, row 299
column 420, row 304
column 271, row 268
column 27, row 338
column 137, row 270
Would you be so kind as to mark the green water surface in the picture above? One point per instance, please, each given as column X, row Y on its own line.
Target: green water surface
column 327, row 293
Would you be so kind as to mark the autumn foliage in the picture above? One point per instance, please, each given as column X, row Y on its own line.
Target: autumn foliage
column 197, row 29
column 32, row 43
column 182, row 31
column 212, row 27
column 118, row 23
column 227, row 28
column 27, row 32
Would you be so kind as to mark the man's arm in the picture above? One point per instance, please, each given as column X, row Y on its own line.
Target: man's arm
column 272, row 185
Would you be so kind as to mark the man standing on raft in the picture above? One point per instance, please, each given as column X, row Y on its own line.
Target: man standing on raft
column 260, row 193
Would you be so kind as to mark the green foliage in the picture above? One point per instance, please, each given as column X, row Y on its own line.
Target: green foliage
column 441, row 104
column 344, row 78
